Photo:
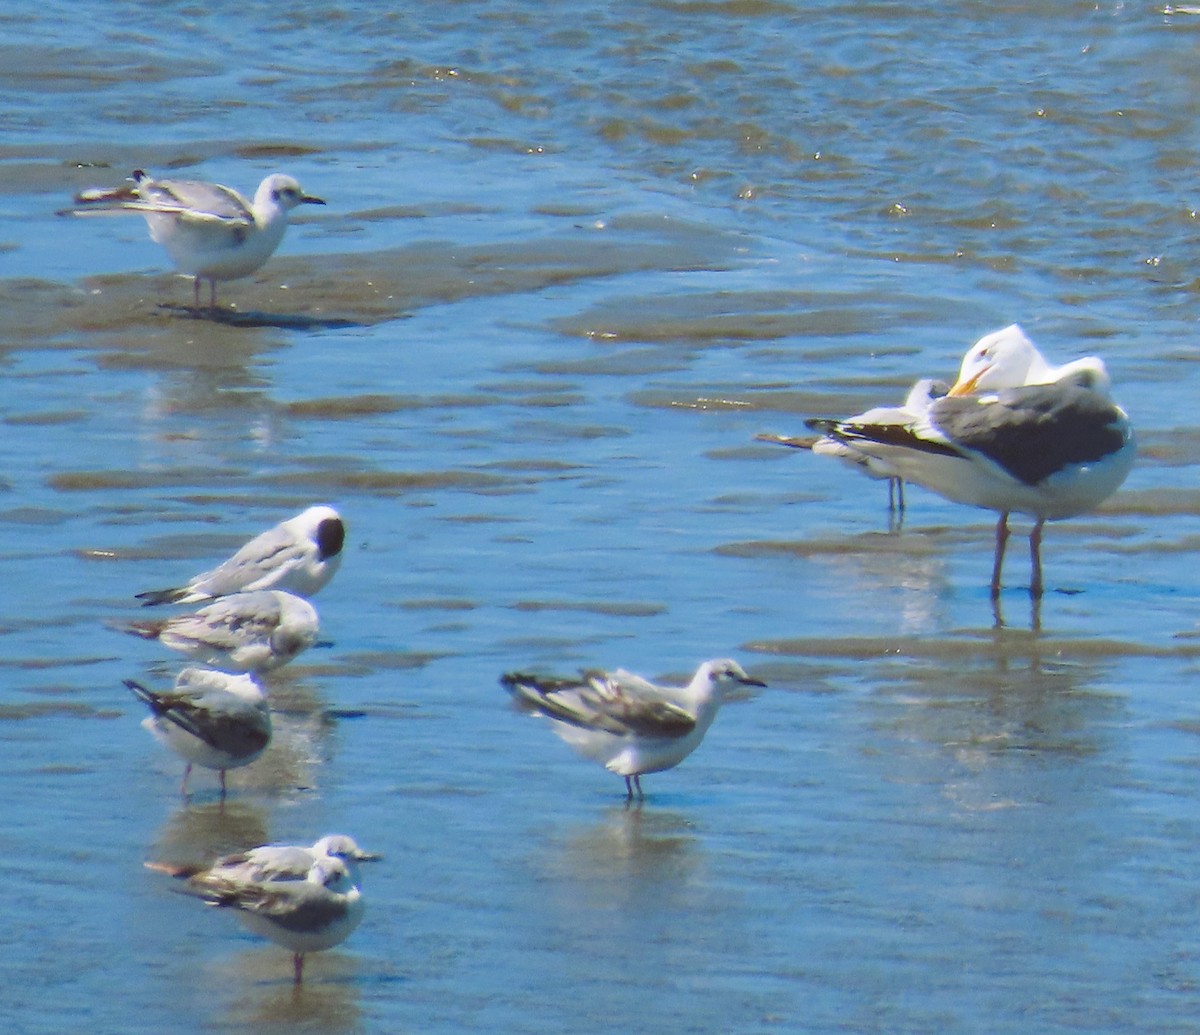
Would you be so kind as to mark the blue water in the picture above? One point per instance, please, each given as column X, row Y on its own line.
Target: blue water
column 575, row 258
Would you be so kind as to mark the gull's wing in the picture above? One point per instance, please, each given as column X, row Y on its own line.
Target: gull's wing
column 267, row 863
column 223, row 721
column 617, row 702
column 273, row 551
column 297, row 906
column 195, row 198
column 229, row 622
column 264, row 557
column 1034, row 431
column 189, row 199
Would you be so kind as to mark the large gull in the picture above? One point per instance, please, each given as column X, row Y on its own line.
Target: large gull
column 1014, row 434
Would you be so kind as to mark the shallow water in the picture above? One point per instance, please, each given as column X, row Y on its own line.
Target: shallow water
column 575, row 259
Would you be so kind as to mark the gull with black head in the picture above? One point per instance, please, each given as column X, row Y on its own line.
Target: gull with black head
column 299, row 555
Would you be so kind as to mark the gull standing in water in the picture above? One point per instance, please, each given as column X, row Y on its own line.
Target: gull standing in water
column 626, row 723
column 299, row 555
column 916, row 403
column 210, row 231
column 1013, row 434
column 305, row 899
column 210, row 718
column 243, row 632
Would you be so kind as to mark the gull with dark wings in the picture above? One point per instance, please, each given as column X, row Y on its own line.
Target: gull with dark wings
column 1014, row 434
column 209, row 718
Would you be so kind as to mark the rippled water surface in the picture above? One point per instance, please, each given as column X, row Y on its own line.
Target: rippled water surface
column 575, row 258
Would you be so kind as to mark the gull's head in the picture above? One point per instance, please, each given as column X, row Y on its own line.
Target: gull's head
column 1002, row 359
column 286, row 192
column 725, row 674
column 342, row 846
column 324, row 527
column 332, row 873
column 298, row 626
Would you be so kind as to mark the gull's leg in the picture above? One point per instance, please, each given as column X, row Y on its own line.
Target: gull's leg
column 628, row 789
column 1035, row 557
column 900, row 494
column 1001, row 543
column 892, row 495
column 637, row 782
column 187, row 771
column 297, row 968
column 212, row 293
column 196, row 291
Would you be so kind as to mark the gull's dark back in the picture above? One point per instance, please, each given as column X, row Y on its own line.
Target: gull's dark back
column 1034, row 431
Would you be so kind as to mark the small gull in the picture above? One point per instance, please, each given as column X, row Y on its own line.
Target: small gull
column 626, row 723
column 299, row 555
column 305, row 899
column 243, row 632
column 283, row 862
column 210, row 231
column 1006, row 439
column 213, row 719
column 916, row 403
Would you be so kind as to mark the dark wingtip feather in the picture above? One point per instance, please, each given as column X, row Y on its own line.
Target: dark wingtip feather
column 152, row 597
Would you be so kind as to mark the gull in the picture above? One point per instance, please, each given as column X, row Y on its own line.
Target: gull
column 626, row 723
column 281, row 862
column 299, row 555
column 210, row 231
column 214, row 719
column 916, row 403
column 1051, row 449
column 243, row 632
column 305, row 899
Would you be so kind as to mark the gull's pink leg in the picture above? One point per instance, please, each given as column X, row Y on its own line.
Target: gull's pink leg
column 1001, row 543
column 1035, row 555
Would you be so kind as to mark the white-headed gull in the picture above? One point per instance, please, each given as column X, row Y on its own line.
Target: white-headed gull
column 299, row 555
column 915, row 404
column 1050, row 449
column 243, row 632
column 210, row 231
column 305, row 899
column 626, row 723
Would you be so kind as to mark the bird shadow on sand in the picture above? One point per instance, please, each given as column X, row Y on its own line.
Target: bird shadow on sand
column 258, row 318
